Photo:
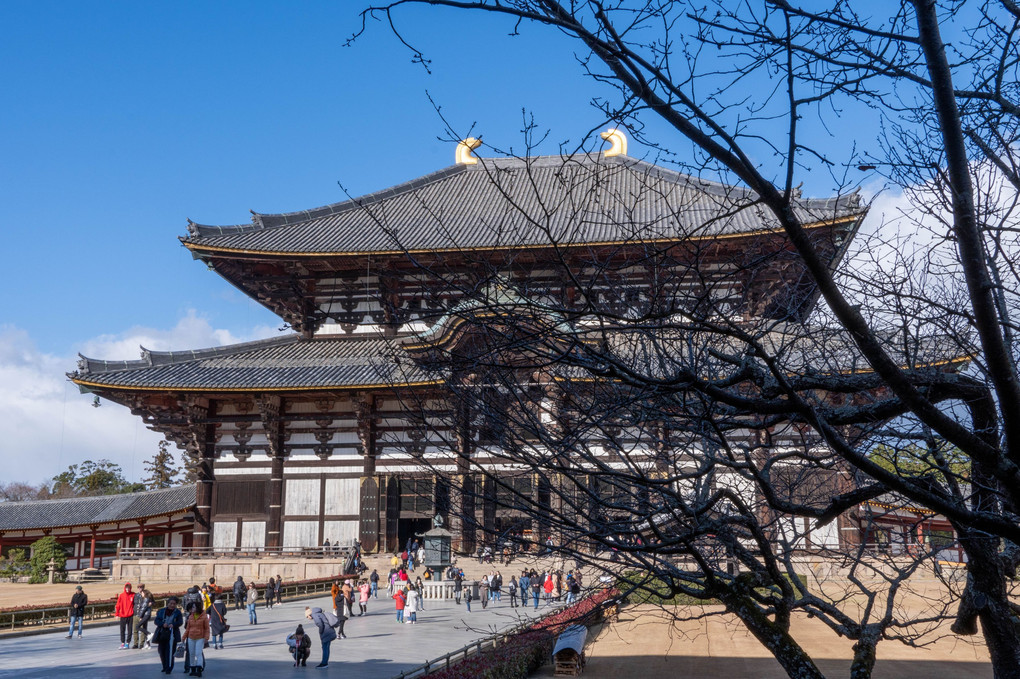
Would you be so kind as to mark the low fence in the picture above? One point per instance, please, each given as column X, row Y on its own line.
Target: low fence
column 29, row 618
column 322, row 552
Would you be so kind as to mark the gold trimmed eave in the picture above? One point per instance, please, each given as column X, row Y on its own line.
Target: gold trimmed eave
column 89, row 385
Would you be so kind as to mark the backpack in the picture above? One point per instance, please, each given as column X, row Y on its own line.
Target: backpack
column 331, row 619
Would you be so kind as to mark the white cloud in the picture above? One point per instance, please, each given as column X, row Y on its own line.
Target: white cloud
column 47, row 424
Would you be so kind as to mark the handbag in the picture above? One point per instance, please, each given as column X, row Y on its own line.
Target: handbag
column 226, row 627
column 179, row 653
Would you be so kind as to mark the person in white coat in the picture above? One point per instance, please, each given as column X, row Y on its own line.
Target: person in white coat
column 413, row 601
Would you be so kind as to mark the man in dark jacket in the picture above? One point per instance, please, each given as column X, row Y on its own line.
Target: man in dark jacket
column 77, row 612
column 168, row 633
column 240, row 591
column 143, row 613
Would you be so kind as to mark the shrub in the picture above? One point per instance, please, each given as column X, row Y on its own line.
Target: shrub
column 43, row 550
column 15, row 564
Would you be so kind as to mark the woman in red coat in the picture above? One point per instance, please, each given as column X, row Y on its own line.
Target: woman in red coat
column 548, row 587
column 125, row 610
column 401, row 599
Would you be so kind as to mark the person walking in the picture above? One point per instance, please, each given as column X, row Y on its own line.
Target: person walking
column 300, row 646
column 536, row 587
column 549, row 585
column 168, row 633
column 339, row 606
column 326, row 632
column 373, row 579
column 279, row 590
column 512, row 591
column 467, row 598
column 143, row 614
column 401, row 601
column 239, row 593
column 458, row 586
column 76, row 613
column 483, row 591
column 270, row 592
column 196, row 631
column 137, row 605
column 496, row 586
column 251, row 598
column 364, row 590
column 125, row 612
column 218, row 620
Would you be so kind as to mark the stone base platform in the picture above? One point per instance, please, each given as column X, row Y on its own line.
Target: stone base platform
column 225, row 569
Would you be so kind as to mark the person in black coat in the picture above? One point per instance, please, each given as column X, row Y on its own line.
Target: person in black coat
column 240, row 592
column 217, row 620
column 168, row 633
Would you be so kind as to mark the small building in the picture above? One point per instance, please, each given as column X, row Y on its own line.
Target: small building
column 92, row 529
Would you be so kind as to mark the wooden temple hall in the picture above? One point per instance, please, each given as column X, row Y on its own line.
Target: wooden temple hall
column 310, row 436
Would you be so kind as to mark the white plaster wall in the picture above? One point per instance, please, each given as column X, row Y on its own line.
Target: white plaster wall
column 343, row 496
column 302, row 497
column 224, row 534
column 344, row 531
column 827, row 536
column 253, row 534
column 300, row 533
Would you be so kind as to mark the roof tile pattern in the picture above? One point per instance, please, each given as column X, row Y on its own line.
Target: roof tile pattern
column 81, row 511
column 288, row 362
column 509, row 202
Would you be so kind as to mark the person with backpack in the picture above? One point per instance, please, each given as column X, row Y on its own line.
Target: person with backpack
column 512, row 591
column 326, row 632
column 373, row 579
column 300, row 646
column 270, row 592
column 467, row 598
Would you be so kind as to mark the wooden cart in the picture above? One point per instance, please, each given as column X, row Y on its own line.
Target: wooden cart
column 568, row 653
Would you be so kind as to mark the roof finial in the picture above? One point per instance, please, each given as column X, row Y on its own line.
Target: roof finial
column 618, row 140
column 464, row 149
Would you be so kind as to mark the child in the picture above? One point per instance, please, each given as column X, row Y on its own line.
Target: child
column 468, row 597
column 300, row 646
column 400, row 599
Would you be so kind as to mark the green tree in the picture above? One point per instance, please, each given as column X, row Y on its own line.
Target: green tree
column 162, row 469
column 43, row 550
column 93, row 478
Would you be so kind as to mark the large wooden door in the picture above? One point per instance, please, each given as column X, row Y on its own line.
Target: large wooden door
column 369, row 533
column 392, row 514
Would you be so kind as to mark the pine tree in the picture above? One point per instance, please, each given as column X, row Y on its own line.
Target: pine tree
column 162, row 468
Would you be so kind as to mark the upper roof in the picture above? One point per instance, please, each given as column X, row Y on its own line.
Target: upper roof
column 81, row 511
column 282, row 363
column 512, row 203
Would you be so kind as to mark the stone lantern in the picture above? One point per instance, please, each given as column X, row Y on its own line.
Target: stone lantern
column 438, row 546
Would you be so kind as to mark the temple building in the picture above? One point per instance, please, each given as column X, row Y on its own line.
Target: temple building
column 315, row 435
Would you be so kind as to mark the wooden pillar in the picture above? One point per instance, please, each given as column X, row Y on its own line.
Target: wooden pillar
column 141, row 534
column 369, row 487
column 92, row 549
column 462, row 490
column 274, row 526
column 270, row 407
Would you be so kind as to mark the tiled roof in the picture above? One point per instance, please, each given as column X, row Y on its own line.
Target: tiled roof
column 81, row 511
column 575, row 200
column 288, row 362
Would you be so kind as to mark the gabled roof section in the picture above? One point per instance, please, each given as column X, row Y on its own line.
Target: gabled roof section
column 513, row 203
column 82, row 511
column 277, row 364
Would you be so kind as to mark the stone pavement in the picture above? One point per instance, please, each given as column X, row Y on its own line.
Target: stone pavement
column 376, row 646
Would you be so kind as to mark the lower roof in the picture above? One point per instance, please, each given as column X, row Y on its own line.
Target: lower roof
column 100, row 509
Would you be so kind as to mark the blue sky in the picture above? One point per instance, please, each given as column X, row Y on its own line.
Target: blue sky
column 121, row 120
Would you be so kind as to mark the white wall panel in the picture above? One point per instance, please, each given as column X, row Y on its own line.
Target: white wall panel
column 343, row 496
column 224, row 534
column 344, row 531
column 253, row 534
column 302, row 497
column 300, row 533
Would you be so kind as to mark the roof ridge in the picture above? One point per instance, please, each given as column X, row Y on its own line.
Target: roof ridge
column 95, row 366
column 111, row 498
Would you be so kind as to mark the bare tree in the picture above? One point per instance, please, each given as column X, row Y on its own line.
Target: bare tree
column 881, row 361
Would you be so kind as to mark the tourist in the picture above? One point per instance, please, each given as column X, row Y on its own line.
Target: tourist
column 326, row 632
column 168, row 633
column 548, row 586
column 334, row 592
column 279, row 590
column 536, row 587
column 347, row 593
column 192, row 596
column 496, row 586
column 483, row 591
column 196, row 631
column 512, row 589
column 125, row 612
column 300, row 646
column 251, row 598
column 137, row 605
column 558, row 590
column 143, row 613
column 467, row 598
column 401, row 600
column 218, row 620
column 458, row 585
column 77, row 612
column 339, row 604
column 413, row 598
column 419, row 556
column 239, row 593
column 270, row 592
column 373, row 579
column 365, row 591
column 206, row 597
column 214, row 588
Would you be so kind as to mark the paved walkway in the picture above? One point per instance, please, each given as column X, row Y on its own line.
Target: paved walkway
column 376, row 646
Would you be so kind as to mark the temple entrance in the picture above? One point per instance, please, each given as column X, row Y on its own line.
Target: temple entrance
column 408, row 528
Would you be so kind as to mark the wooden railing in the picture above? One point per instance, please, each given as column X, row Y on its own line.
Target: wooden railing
column 227, row 552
